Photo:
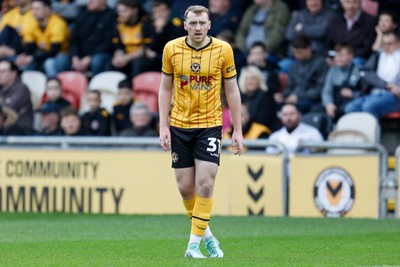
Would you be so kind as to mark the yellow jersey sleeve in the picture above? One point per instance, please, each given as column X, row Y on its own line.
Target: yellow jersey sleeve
column 228, row 68
column 166, row 60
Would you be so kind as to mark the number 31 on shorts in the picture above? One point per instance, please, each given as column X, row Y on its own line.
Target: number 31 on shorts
column 212, row 147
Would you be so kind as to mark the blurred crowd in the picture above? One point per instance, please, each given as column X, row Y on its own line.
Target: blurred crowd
column 296, row 57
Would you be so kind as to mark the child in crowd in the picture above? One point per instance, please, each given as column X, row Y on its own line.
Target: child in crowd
column 97, row 120
column 121, row 117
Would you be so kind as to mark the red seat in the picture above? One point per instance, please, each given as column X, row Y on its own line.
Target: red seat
column 393, row 115
column 145, row 86
column 73, row 83
column 283, row 80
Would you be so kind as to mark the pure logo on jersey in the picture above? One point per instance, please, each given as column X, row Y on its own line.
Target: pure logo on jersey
column 334, row 192
column 175, row 157
column 195, row 67
column 184, row 80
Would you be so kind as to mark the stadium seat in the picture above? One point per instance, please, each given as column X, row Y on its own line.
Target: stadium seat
column 74, row 84
column 107, row 83
column 36, row 83
column 283, row 80
column 355, row 127
column 146, row 87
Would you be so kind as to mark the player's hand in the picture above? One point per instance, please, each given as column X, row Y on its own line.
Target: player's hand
column 165, row 138
column 237, row 143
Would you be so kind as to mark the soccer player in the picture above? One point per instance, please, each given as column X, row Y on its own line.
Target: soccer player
column 196, row 66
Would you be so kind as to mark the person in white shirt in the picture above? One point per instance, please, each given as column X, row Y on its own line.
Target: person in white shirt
column 382, row 74
column 293, row 131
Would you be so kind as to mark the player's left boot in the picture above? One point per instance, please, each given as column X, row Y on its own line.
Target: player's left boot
column 213, row 248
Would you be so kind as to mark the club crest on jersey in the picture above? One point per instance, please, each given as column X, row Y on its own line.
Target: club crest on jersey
column 195, row 67
column 334, row 192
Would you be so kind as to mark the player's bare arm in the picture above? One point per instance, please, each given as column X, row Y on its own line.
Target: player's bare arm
column 233, row 97
column 164, row 103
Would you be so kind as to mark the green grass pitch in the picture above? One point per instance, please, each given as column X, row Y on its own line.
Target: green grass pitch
column 116, row 240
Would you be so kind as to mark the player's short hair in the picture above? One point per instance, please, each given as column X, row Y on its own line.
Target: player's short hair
column 127, row 83
column 197, row 9
column 345, row 46
column 256, row 72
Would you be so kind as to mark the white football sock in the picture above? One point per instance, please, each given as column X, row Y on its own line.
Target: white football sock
column 194, row 239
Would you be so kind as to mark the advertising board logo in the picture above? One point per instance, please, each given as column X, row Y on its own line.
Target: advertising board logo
column 334, row 192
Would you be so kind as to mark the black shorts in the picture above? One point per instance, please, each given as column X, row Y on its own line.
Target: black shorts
column 200, row 143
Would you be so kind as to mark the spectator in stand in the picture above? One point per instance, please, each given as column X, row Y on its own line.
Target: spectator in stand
column 71, row 122
column 343, row 82
column 13, row 26
column 54, row 94
column 264, row 21
column 178, row 7
column 251, row 129
column 386, row 23
column 141, row 118
column 222, row 16
column 8, row 118
column 131, row 18
column 257, row 96
column 49, row 124
column 158, row 31
column 293, row 131
column 93, row 38
column 97, row 121
column 353, row 26
column 392, row 5
column 382, row 74
column 313, row 22
column 258, row 56
column 46, row 42
column 306, row 77
column 121, row 114
column 240, row 57
column 15, row 95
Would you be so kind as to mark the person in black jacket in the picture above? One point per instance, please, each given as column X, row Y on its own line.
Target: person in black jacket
column 92, row 38
column 257, row 96
column 353, row 26
column 122, row 107
column 97, row 120
column 157, row 31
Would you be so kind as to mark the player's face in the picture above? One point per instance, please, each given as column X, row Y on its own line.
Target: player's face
column 343, row 58
column 290, row 117
column 93, row 101
column 197, row 26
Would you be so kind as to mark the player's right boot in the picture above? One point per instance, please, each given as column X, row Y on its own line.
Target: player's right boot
column 193, row 251
column 213, row 248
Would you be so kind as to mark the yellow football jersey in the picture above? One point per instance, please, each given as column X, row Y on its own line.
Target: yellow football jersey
column 197, row 81
column 56, row 31
column 132, row 36
column 15, row 19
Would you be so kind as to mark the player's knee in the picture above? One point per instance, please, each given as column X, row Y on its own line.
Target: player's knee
column 185, row 190
column 205, row 187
